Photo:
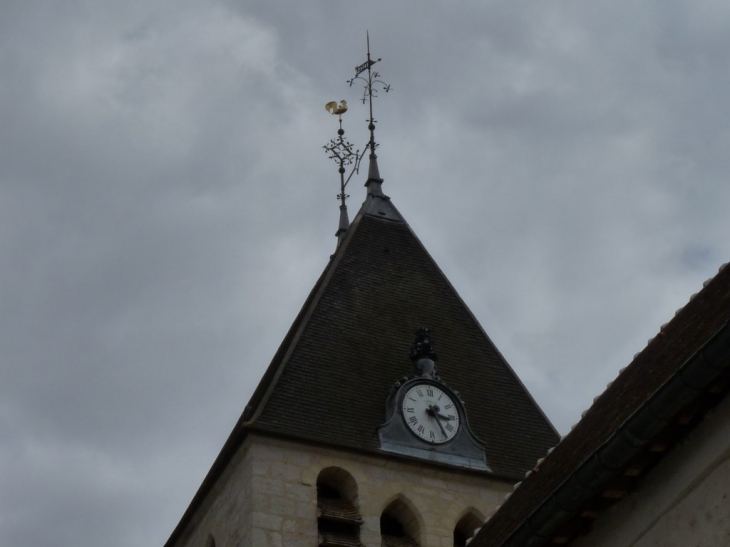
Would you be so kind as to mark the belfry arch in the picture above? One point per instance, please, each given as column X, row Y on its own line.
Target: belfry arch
column 338, row 518
column 466, row 527
column 399, row 524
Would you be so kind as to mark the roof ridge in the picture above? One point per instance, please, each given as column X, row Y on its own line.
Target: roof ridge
column 381, row 206
column 378, row 206
column 467, row 308
column 295, row 331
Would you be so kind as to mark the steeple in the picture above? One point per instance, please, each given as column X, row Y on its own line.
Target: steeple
column 329, row 381
column 343, row 373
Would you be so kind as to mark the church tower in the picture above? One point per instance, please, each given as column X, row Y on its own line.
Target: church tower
column 386, row 417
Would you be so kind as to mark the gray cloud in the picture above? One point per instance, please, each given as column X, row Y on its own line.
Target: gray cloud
column 166, row 206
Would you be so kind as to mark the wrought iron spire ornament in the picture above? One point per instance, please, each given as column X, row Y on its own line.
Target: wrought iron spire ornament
column 340, row 150
column 372, row 85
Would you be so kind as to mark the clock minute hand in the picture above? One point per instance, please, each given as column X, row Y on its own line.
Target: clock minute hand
column 445, row 417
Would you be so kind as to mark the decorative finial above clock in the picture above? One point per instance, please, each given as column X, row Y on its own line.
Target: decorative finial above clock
column 423, row 355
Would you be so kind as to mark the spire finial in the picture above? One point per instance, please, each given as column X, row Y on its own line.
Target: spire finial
column 373, row 84
column 340, row 150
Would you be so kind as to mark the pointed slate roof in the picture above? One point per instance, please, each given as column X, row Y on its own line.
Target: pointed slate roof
column 330, row 378
column 328, row 381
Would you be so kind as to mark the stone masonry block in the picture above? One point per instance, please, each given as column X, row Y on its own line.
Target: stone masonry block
column 266, row 521
column 282, row 506
column 285, row 471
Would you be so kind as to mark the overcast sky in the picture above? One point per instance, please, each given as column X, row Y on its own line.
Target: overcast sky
column 166, row 206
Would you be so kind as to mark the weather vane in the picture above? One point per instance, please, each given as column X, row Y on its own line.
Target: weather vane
column 341, row 150
column 372, row 85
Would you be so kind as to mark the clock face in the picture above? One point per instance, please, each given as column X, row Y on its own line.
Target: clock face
column 430, row 413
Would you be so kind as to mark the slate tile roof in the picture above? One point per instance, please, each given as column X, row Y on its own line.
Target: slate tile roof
column 703, row 320
column 330, row 378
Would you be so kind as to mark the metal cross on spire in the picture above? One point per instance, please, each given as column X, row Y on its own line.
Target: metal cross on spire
column 340, row 150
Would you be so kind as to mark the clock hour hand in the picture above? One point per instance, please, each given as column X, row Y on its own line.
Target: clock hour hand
column 433, row 410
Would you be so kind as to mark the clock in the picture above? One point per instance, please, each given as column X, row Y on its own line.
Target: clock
column 430, row 413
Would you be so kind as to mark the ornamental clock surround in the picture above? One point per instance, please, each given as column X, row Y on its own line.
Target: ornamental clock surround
column 425, row 419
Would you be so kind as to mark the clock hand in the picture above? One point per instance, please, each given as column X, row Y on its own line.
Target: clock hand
column 435, row 410
column 441, row 427
column 435, row 413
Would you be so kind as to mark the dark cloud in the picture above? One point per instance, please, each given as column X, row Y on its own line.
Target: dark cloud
column 166, row 206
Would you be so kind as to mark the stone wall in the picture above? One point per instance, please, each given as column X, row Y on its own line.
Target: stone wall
column 268, row 496
column 683, row 502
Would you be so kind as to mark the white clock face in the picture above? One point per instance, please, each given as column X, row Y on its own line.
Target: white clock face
column 430, row 413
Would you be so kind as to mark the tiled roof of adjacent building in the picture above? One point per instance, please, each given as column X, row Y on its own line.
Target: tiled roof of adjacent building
column 654, row 402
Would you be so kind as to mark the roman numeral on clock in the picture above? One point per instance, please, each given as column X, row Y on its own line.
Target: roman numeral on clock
column 433, row 422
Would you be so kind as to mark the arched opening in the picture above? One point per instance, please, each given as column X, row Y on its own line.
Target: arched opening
column 338, row 520
column 466, row 528
column 398, row 525
column 210, row 542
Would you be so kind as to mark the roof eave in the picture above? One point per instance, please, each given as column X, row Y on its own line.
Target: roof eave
column 684, row 386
